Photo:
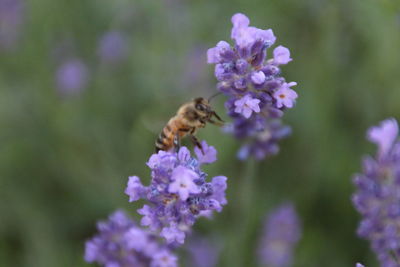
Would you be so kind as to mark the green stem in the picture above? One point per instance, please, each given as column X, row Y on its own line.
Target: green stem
column 394, row 256
column 247, row 189
column 243, row 215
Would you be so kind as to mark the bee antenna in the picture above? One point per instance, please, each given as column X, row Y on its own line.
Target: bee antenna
column 214, row 95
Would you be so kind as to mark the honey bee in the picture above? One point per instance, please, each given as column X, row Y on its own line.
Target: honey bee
column 190, row 117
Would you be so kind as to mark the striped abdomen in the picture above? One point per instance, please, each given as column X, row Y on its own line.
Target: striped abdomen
column 169, row 134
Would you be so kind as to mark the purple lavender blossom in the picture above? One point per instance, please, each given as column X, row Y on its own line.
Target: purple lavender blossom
column 112, row 47
column 209, row 156
column 359, row 265
column 264, row 142
column 384, row 136
column 120, row 242
column 378, row 194
column 281, row 234
column 71, row 77
column 246, row 106
column 258, row 94
column 183, row 182
column 258, row 77
column 178, row 193
column 281, row 55
column 11, row 19
column 285, row 96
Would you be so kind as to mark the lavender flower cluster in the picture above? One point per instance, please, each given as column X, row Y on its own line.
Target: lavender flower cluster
column 378, row 194
column 203, row 252
column 12, row 16
column 258, row 94
column 112, row 48
column 73, row 73
column 121, row 242
column 72, row 77
column 178, row 193
column 281, row 234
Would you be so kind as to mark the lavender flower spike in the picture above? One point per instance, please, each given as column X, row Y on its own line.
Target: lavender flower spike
column 12, row 16
column 112, row 47
column 72, row 77
column 281, row 233
column 121, row 243
column 204, row 252
column 179, row 192
column 258, row 94
column 377, row 197
column 359, row 265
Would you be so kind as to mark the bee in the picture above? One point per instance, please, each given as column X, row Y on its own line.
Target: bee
column 190, row 117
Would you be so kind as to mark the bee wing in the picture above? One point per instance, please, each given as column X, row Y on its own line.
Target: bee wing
column 153, row 125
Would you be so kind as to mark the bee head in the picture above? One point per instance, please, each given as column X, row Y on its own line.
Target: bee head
column 204, row 111
column 202, row 105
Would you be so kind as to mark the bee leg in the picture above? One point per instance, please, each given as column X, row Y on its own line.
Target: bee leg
column 216, row 122
column 177, row 139
column 197, row 143
column 192, row 131
column 177, row 143
column 203, row 124
column 216, row 115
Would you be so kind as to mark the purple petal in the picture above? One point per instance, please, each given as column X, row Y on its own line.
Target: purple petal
column 134, row 188
column 258, row 77
column 384, row 135
column 281, row 55
column 209, row 156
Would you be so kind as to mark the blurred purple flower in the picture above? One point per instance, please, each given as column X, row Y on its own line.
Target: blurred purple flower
column 203, row 253
column 121, row 243
column 72, row 77
column 195, row 73
column 359, row 265
column 112, row 47
column 178, row 192
column 11, row 19
column 384, row 135
column 173, row 235
column 164, row 258
column 281, row 234
column 378, row 194
column 244, row 73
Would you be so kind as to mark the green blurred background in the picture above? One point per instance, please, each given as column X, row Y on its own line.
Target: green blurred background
column 65, row 157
